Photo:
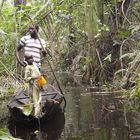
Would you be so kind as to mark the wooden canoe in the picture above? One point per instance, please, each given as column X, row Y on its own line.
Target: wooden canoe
column 51, row 102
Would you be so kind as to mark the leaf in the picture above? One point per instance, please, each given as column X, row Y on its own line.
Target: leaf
column 2, row 32
column 9, row 138
column 64, row 16
column 122, row 33
column 5, row 135
column 115, row 42
column 108, row 58
column 137, row 27
column 120, row 71
column 129, row 55
column 27, row 109
column 3, row 131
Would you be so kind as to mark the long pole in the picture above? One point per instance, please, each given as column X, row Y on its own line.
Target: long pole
column 47, row 58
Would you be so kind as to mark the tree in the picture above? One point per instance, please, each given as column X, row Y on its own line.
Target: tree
column 91, row 27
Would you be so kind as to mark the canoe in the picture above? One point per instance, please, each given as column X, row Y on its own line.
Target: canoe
column 50, row 103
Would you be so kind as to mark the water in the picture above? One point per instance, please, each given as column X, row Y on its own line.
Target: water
column 94, row 116
column 88, row 116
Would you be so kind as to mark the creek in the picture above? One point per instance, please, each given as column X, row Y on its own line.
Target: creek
column 89, row 115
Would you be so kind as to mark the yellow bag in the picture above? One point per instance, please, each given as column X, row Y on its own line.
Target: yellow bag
column 41, row 81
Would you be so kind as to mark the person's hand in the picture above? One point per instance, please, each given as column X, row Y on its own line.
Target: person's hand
column 44, row 53
column 24, row 64
column 44, row 75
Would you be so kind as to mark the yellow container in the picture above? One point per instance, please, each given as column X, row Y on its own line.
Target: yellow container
column 41, row 81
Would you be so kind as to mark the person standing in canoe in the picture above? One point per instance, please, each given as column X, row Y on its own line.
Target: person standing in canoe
column 34, row 49
column 35, row 82
column 33, row 45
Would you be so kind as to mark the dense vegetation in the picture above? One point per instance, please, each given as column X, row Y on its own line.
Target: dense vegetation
column 92, row 42
column 96, row 40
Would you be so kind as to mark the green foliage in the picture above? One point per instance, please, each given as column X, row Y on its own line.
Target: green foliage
column 8, row 39
column 79, row 20
column 7, row 18
column 84, row 62
column 27, row 109
column 137, row 90
column 7, row 58
column 121, row 34
column 62, row 63
column 8, row 36
column 23, row 16
column 5, row 135
column 128, row 55
column 134, row 97
column 136, row 28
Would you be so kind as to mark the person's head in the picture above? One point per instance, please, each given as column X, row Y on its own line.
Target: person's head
column 29, row 59
column 33, row 30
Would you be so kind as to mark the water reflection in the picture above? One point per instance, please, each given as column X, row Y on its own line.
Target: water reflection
column 49, row 131
column 94, row 116
column 88, row 116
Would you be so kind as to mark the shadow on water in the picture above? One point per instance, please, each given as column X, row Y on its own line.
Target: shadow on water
column 50, row 130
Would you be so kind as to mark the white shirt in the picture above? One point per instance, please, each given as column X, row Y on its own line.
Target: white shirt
column 33, row 47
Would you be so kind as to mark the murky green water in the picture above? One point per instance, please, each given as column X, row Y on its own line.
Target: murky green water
column 93, row 116
column 88, row 116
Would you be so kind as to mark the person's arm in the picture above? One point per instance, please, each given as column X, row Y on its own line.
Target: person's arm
column 17, row 55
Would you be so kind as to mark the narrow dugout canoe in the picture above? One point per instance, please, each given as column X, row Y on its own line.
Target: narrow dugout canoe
column 50, row 103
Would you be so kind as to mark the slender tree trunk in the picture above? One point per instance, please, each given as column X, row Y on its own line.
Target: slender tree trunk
column 100, row 9
column 91, row 27
column 19, row 3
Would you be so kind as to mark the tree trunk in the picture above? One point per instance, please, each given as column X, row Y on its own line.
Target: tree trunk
column 19, row 3
column 91, row 28
column 100, row 10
